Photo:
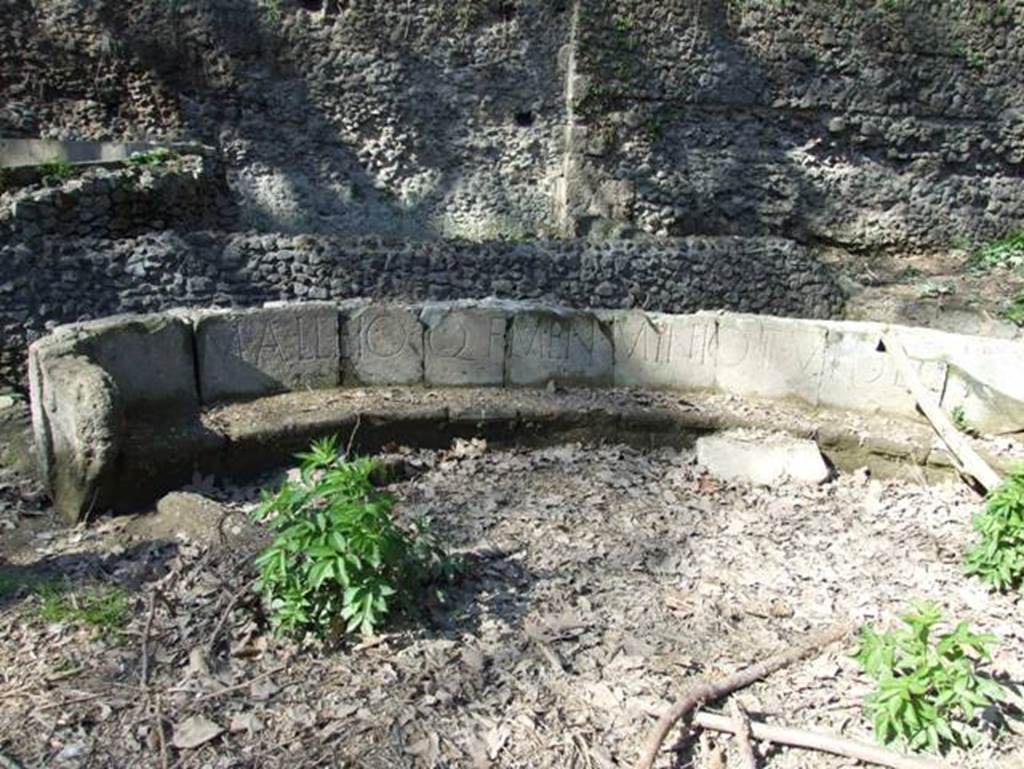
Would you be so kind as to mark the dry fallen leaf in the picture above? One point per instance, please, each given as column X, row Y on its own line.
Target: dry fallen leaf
column 193, row 732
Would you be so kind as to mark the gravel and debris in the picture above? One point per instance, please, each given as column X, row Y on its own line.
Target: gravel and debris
column 600, row 581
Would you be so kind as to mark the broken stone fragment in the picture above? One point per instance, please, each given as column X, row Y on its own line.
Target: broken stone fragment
column 761, row 458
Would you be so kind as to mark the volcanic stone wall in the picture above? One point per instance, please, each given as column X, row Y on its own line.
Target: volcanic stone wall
column 99, row 202
column 59, row 280
column 865, row 125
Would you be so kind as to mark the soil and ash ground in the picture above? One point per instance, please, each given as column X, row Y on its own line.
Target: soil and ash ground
column 600, row 581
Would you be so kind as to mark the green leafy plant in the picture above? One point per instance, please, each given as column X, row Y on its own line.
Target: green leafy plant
column 998, row 555
column 154, row 157
column 272, row 9
column 101, row 608
column 929, row 687
column 1005, row 252
column 339, row 563
column 57, row 169
column 1013, row 311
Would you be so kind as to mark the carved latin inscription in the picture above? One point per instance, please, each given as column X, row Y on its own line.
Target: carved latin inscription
column 562, row 347
column 464, row 345
column 273, row 349
column 383, row 344
column 771, row 357
column 656, row 350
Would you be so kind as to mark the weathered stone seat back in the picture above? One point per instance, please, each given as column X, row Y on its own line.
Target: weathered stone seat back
column 104, row 392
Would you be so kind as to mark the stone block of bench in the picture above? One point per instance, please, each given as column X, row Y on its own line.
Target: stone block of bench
column 148, row 357
column 663, row 351
column 382, row 344
column 769, row 357
column 464, row 343
column 559, row 346
column 249, row 353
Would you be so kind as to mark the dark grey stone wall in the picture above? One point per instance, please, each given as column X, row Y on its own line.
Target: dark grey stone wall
column 98, row 202
column 60, row 280
column 867, row 125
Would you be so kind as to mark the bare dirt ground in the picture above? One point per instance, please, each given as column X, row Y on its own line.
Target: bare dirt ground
column 600, row 582
column 941, row 289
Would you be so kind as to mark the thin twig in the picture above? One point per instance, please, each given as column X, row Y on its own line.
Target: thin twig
column 709, row 691
column 212, row 643
column 352, row 437
column 161, row 738
column 144, row 670
column 827, row 743
column 741, row 721
column 242, row 685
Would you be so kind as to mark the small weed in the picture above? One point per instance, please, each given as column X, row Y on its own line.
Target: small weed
column 103, row 609
column 12, row 583
column 1013, row 311
column 909, row 273
column 272, row 11
column 339, row 563
column 1006, row 252
column 960, row 421
column 57, row 169
column 154, row 157
column 929, row 688
column 623, row 25
column 998, row 556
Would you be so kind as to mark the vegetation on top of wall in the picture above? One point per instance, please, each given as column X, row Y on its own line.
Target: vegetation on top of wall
column 57, row 169
column 154, row 157
column 1005, row 252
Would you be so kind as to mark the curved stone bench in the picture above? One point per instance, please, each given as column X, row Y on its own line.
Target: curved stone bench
column 128, row 407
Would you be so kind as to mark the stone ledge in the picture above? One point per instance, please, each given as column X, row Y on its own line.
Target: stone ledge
column 182, row 364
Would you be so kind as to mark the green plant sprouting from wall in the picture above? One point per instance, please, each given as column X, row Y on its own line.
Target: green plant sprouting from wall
column 1013, row 311
column 339, row 563
column 929, row 689
column 154, row 157
column 1004, row 252
column 57, row 169
column 272, row 11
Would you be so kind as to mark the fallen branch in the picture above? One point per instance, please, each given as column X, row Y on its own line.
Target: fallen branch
column 827, row 743
column 741, row 728
column 712, row 690
column 969, row 460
